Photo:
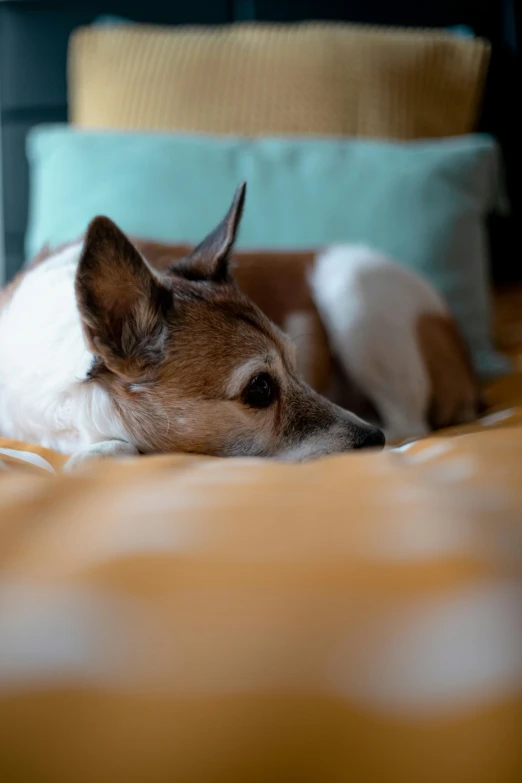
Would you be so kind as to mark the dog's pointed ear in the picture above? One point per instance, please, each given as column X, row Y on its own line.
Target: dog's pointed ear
column 209, row 261
column 122, row 303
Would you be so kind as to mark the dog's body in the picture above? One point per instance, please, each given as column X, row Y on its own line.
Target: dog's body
column 100, row 353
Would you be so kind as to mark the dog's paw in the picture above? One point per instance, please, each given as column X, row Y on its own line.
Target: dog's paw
column 103, row 450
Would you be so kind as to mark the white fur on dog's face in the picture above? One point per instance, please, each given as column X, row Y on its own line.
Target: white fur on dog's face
column 193, row 365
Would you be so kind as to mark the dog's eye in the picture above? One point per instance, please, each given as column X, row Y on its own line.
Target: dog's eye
column 261, row 391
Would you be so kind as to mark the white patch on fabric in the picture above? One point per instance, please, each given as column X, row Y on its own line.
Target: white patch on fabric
column 29, row 456
column 494, row 418
column 427, row 453
column 419, row 535
column 49, row 635
column 130, row 535
column 450, row 653
column 453, row 470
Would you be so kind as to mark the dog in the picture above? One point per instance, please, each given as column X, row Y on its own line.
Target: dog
column 101, row 354
column 116, row 347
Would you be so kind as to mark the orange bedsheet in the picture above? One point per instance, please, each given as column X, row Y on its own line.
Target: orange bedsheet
column 354, row 619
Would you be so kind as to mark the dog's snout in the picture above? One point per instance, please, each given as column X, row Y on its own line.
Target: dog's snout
column 371, row 438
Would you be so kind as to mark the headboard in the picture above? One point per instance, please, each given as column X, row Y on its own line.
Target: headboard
column 33, row 48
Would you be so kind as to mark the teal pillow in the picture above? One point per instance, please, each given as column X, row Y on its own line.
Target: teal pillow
column 423, row 202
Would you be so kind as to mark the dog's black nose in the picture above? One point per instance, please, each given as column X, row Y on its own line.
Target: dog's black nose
column 371, row 438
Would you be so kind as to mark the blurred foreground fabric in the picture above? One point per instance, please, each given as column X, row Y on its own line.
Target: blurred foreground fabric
column 356, row 618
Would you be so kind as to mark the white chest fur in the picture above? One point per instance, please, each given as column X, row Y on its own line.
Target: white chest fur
column 44, row 361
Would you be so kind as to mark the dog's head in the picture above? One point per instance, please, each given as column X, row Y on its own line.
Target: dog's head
column 191, row 363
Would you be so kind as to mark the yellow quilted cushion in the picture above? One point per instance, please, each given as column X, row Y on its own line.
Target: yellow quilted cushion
column 314, row 78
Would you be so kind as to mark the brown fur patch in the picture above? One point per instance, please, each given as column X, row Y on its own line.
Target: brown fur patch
column 454, row 387
column 277, row 283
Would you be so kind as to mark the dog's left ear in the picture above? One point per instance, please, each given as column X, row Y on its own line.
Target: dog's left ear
column 122, row 303
column 209, row 261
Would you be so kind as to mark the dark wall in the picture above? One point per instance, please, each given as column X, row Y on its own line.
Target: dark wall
column 33, row 49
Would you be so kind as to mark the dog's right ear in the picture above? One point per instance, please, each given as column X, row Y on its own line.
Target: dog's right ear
column 121, row 302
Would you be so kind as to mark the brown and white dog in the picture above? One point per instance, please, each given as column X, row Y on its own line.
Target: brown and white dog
column 103, row 352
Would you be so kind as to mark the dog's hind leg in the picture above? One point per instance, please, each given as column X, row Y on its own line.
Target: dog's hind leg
column 395, row 381
column 367, row 307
